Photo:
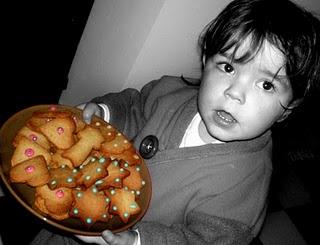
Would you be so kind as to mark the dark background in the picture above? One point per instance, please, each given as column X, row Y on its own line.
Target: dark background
column 40, row 40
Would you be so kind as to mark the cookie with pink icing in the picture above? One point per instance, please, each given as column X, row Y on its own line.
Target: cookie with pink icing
column 56, row 203
column 33, row 172
column 41, row 117
column 33, row 136
column 27, row 149
column 59, row 131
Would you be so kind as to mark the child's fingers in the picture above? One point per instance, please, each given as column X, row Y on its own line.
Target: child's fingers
column 89, row 110
column 92, row 239
column 109, row 237
column 122, row 238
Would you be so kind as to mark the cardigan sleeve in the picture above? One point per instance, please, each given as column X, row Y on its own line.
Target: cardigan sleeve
column 126, row 109
column 130, row 108
column 199, row 229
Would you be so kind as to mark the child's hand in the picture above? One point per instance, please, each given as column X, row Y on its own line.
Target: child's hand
column 89, row 110
column 122, row 238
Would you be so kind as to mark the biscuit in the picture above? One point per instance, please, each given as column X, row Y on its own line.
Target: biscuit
column 116, row 146
column 80, row 124
column 52, row 111
column 35, row 122
column 58, row 160
column 134, row 181
column 89, row 138
column 59, row 131
column 123, row 203
column 63, row 176
column 95, row 169
column 130, row 156
column 108, row 132
column 26, row 149
column 115, row 176
column 33, row 136
column 56, row 203
column 90, row 206
column 33, row 172
column 41, row 117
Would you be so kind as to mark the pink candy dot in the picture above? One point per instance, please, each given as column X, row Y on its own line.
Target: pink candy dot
column 59, row 193
column 29, row 169
column 60, row 130
column 29, row 152
column 53, row 108
column 33, row 137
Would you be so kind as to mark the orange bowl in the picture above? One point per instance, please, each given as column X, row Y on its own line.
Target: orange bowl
column 25, row 194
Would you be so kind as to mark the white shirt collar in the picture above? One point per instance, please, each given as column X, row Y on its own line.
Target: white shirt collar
column 191, row 136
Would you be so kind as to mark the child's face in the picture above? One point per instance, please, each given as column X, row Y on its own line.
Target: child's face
column 239, row 101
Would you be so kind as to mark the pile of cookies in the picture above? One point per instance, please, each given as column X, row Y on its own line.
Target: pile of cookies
column 87, row 171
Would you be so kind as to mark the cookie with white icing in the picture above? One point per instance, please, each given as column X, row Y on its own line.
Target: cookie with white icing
column 90, row 206
column 123, row 203
column 95, row 169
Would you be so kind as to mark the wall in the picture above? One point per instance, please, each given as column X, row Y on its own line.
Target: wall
column 311, row 5
column 171, row 46
column 113, row 36
column 128, row 43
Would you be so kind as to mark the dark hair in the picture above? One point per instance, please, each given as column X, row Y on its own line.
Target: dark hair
column 290, row 28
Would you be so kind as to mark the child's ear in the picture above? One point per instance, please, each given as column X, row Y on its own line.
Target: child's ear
column 289, row 110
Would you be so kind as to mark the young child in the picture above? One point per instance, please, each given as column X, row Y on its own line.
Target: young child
column 208, row 148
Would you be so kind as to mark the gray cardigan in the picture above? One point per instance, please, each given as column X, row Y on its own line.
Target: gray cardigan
column 211, row 194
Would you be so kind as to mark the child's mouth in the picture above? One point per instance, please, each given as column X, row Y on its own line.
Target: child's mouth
column 224, row 118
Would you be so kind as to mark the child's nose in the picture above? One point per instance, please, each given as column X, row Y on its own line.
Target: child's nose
column 236, row 92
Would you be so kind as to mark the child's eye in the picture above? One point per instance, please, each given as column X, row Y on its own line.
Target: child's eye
column 225, row 67
column 267, row 85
